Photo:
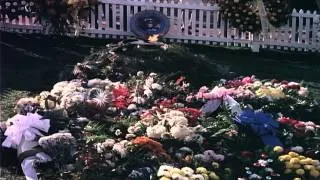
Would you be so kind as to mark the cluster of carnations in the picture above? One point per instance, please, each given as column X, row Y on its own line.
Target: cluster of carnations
column 167, row 172
column 298, row 165
column 301, row 128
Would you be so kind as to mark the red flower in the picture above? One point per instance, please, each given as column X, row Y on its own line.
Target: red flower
column 120, row 96
column 192, row 113
column 120, row 90
column 168, row 102
column 284, row 120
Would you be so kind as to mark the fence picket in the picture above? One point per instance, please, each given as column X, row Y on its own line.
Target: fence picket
column 93, row 18
column 200, row 23
column 190, row 23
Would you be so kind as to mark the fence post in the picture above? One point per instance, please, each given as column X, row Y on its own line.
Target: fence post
column 255, row 43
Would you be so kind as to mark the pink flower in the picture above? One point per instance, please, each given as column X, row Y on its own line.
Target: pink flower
column 303, row 91
column 215, row 93
column 247, row 79
column 203, row 89
column 189, row 98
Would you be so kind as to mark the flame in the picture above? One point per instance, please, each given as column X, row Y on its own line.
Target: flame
column 153, row 38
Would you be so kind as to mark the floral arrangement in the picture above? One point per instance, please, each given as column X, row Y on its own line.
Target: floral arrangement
column 245, row 15
column 146, row 125
column 62, row 14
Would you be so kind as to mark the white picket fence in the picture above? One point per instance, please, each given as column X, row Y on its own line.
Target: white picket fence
column 190, row 22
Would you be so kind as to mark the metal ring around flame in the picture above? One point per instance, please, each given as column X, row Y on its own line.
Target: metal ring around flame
column 149, row 23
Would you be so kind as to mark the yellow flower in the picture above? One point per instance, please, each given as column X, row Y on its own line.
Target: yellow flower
column 314, row 173
column 294, row 160
column 297, row 178
column 318, row 167
column 214, row 176
column 187, row 171
column 302, row 157
column 309, row 160
column 205, row 176
column 289, row 165
column 303, row 162
column 300, row 172
column 293, row 154
column 276, row 93
column 284, row 158
column 164, row 178
column 309, row 167
column 278, row 149
column 177, row 171
column 201, row 170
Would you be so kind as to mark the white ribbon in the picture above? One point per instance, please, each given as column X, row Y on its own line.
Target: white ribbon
column 28, row 126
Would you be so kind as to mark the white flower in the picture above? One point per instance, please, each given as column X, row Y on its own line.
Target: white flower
column 262, row 162
column 147, row 92
column 148, row 82
column 135, row 128
column 132, row 107
column 118, row 132
column 178, row 120
column 140, row 73
column 180, row 131
column 61, row 84
column 310, row 128
column 309, row 123
column 99, row 147
column 257, row 84
column 156, row 86
column 130, row 136
column 174, row 117
column 293, row 84
column 156, row 131
column 268, row 84
column 164, row 171
column 153, row 74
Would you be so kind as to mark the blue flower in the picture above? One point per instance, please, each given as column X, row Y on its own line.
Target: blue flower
column 262, row 124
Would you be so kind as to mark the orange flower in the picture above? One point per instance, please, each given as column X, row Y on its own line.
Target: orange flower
column 154, row 146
